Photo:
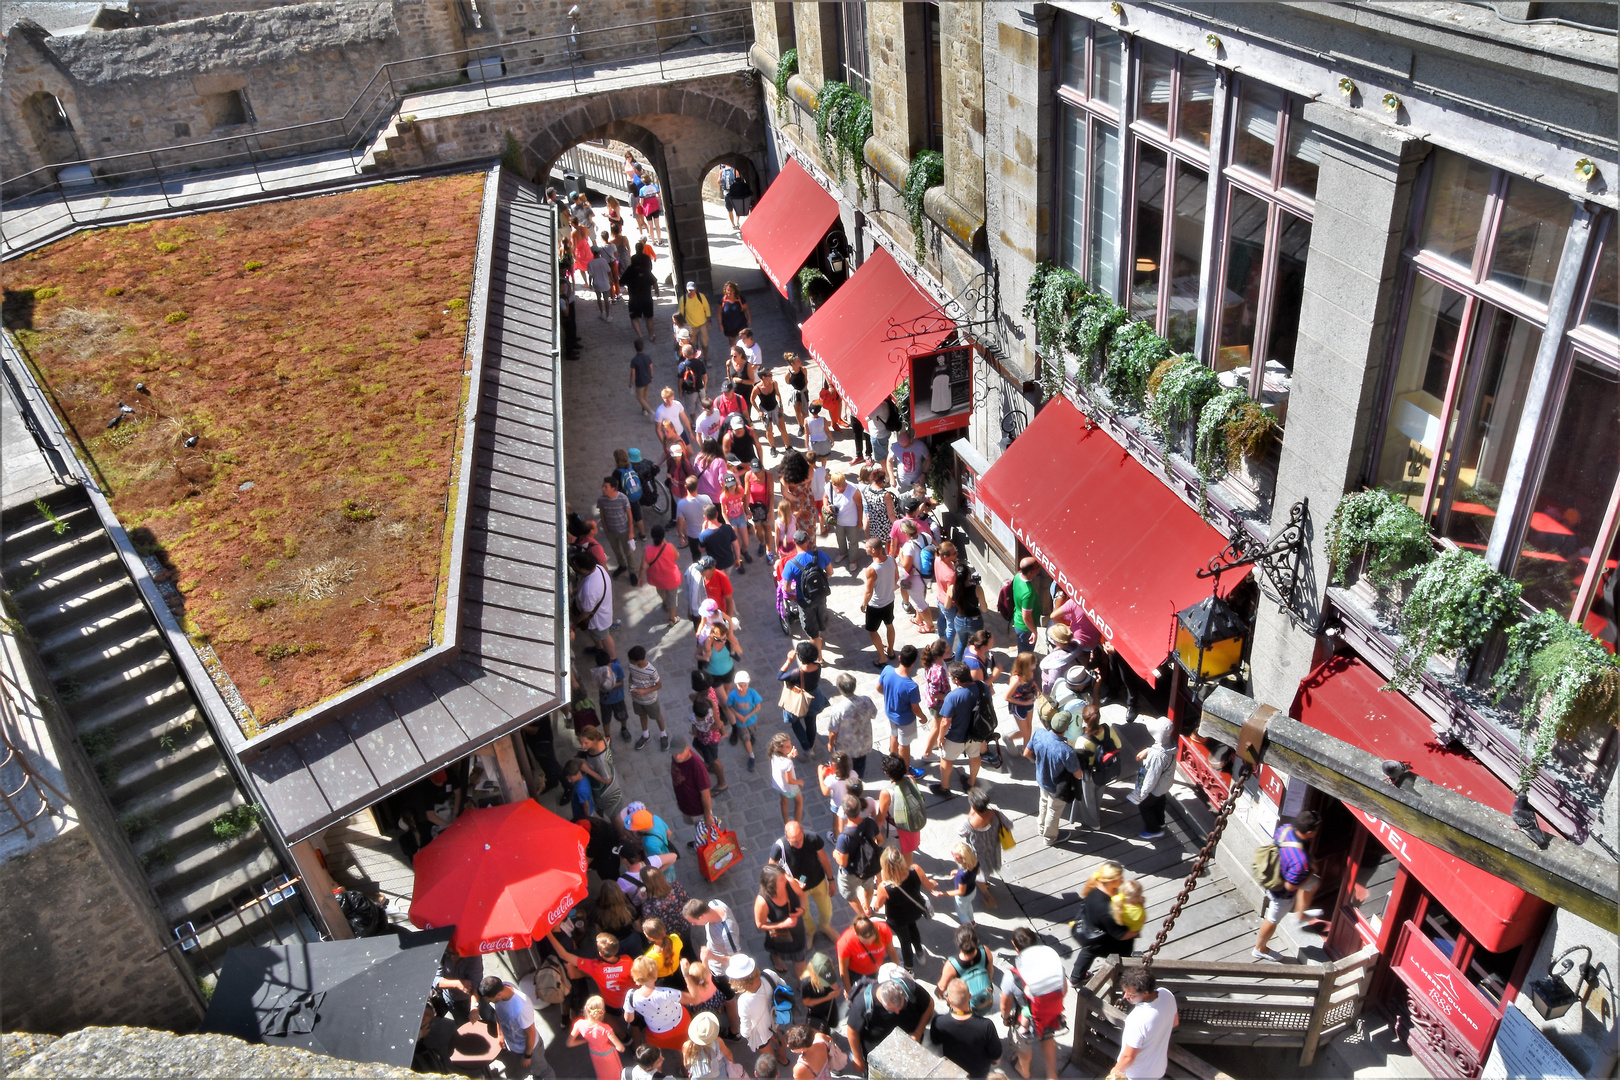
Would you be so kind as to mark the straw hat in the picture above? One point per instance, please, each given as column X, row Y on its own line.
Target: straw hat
column 1060, row 634
column 703, row 1029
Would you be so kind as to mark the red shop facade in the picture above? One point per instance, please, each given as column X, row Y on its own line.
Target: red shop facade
column 1455, row 942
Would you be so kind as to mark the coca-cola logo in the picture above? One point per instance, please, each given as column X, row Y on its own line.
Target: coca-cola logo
column 500, row 944
column 560, row 910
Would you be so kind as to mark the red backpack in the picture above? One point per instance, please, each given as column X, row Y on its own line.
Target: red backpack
column 1004, row 601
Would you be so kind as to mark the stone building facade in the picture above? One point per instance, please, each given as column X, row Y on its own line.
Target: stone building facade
column 1349, row 212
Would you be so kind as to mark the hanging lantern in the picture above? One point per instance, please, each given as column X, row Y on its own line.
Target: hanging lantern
column 1209, row 639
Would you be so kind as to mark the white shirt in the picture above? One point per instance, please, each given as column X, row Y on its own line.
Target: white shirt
column 722, row 936
column 756, row 1013
column 597, row 586
column 756, row 353
column 781, row 769
column 690, row 510
column 515, row 1016
column 816, row 427
column 671, row 412
column 847, row 503
column 661, row 1008
column 911, row 460
column 818, row 483
column 1147, row 1030
column 707, row 424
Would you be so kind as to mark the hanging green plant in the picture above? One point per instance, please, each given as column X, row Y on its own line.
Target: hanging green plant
column 927, row 170
column 1391, row 533
column 511, row 154
column 843, row 124
column 1209, row 447
column 1566, row 680
column 1177, row 390
column 1457, row 603
column 787, row 66
column 1091, row 326
column 1247, row 430
column 1133, row 351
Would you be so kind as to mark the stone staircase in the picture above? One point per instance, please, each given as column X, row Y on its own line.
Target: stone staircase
column 383, row 153
column 164, row 775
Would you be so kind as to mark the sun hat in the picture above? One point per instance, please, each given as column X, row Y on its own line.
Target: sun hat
column 703, row 1029
column 709, row 608
column 742, row 679
column 1060, row 634
column 634, row 453
column 677, row 450
column 740, row 966
column 1078, row 677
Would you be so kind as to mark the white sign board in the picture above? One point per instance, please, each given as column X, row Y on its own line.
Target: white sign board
column 1522, row 1052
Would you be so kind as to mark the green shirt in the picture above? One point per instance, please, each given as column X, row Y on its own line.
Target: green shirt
column 1024, row 596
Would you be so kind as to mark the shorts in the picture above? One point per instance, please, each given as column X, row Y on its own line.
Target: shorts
column 653, row 215
column 904, row 729
column 650, row 710
column 721, row 680
column 758, row 512
column 814, row 619
column 1018, row 712
column 850, row 886
column 598, row 636
column 639, row 310
column 908, row 840
column 708, row 751
column 879, row 616
column 614, row 710
column 821, row 447
column 950, row 751
column 740, row 523
column 770, row 415
column 635, row 511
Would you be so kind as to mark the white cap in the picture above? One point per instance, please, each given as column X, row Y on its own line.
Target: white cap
column 741, row 678
column 691, row 286
column 740, row 966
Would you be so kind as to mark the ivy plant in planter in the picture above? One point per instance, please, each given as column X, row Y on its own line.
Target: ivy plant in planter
column 1247, row 430
column 1052, row 295
column 787, row 66
column 1388, row 531
column 1177, row 390
column 814, row 288
column 1566, row 680
column 843, row 124
column 927, row 170
column 1132, row 352
column 1091, row 325
column 1457, row 603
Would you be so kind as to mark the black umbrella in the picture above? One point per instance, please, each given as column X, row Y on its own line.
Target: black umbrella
column 360, row 1000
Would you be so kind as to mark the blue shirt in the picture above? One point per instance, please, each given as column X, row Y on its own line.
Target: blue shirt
column 899, row 695
column 796, row 567
column 1053, row 758
column 958, row 709
column 657, row 840
column 1292, row 861
column 615, row 695
column 744, row 705
column 580, row 798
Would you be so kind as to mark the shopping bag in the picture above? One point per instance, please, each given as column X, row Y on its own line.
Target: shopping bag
column 719, row 855
column 794, row 702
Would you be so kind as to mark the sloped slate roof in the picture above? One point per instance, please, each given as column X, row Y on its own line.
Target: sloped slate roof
column 514, row 650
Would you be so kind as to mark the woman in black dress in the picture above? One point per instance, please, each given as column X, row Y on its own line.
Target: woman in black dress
column 779, row 912
column 900, row 897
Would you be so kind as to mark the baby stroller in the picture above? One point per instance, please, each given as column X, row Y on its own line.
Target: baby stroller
column 787, row 608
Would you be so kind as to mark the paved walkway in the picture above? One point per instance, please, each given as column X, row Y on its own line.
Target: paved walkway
column 1041, row 885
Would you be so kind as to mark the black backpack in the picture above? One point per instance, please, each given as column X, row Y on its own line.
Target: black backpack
column 982, row 728
column 864, row 860
column 691, row 381
column 1105, row 760
column 812, row 581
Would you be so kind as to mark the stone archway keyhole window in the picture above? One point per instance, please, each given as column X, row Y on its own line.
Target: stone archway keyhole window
column 51, row 128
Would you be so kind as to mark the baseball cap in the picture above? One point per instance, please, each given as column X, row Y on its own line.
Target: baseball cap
column 634, row 453
column 706, row 563
column 679, row 744
column 736, row 420
column 729, row 481
column 742, row 679
column 709, row 609
column 677, row 450
column 641, row 821
column 740, row 966
column 801, row 537
column 691, row 286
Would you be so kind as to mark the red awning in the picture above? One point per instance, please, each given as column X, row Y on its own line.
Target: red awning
column 862, row 336
column 787, row 224
column 1107, row 530
column 1342, row 698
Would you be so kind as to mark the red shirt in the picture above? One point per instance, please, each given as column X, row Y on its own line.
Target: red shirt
column 663, row 568
column 613, row 979
column 864, row 959
column 719, row 588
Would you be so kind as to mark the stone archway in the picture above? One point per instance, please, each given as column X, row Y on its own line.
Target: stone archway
column 48, row 123
column 684, row 131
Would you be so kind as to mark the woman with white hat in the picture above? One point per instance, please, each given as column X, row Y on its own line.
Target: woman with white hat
column 705, row 1055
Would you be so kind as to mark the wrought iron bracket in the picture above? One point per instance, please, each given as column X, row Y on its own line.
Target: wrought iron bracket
column 977, row 308
column 1278, row 560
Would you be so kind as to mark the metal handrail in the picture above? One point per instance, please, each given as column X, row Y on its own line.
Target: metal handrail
column 387, row 71
column 193, row 938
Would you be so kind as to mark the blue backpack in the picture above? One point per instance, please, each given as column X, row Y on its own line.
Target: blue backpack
column 630, row 482
column 925, row 561
column 781, row 999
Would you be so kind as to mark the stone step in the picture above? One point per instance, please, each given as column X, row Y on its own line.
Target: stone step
column 44, row 553
column 140, row 718
column 237, row 871
column 205, row 781
column 114, row 623
column 34, row 535
column 147, row 764
column 86, row 573
column 77, row 609
column 145, row 670
column 82, row 664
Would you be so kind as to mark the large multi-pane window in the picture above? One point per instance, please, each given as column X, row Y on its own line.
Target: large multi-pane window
column 1271, row 171
column 853, row 66
column 1175, row 107
column 1133, row 216
column 1539, row 495
column 1091, row 94
column 933, row 79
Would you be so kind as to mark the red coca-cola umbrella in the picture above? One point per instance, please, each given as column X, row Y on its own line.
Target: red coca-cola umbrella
column 502, row 877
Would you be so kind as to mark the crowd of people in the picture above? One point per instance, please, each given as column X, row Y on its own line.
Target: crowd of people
column 661, row 983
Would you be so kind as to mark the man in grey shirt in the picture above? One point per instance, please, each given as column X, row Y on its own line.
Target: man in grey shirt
column 613, row 511
column 849, row 724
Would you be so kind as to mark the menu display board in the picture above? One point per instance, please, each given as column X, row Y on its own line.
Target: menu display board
column 941, row 390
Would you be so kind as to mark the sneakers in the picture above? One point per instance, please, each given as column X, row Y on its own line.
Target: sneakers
column 618, row 571
column 624, row 732
column 644, row 740
column 747, row 557
column 917, row 772
column 663, row 741
column 750, row 764
column 1150, row 835
column 941, row 790
column 1267, row 955
column 741, row 569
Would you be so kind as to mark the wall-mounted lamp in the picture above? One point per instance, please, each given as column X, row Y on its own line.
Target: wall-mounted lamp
column 1209, row 639
column 1552, row 996
column 1118, row 9
column 1347, row 87
column 1392, row 104
column 1586, row 168
column 1213, row 42
column 835, row 254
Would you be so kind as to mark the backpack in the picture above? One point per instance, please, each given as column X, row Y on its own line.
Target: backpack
column 727, row 176
column 925, row 561
column 909, row 814
column 551, row 983
column 982, row 728
column 1004, row 601
column 1105, row 760
column 1267, row 867
column 863, row 861
column 366, row 918
column 781, row 998
column 689, row 378
column 630, row 483
column 812, row 580
column 1039, row 974
column 977, row 978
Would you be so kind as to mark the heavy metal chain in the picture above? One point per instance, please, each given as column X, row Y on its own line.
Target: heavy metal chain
column 1204, row 855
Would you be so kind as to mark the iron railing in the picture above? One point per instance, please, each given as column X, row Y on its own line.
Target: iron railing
column 498, row 73
column 202, row 942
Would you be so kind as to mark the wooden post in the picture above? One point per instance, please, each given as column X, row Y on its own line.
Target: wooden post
column 1564, row 875
column 513, row 787
column 319, row 884
column 1327, row 980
